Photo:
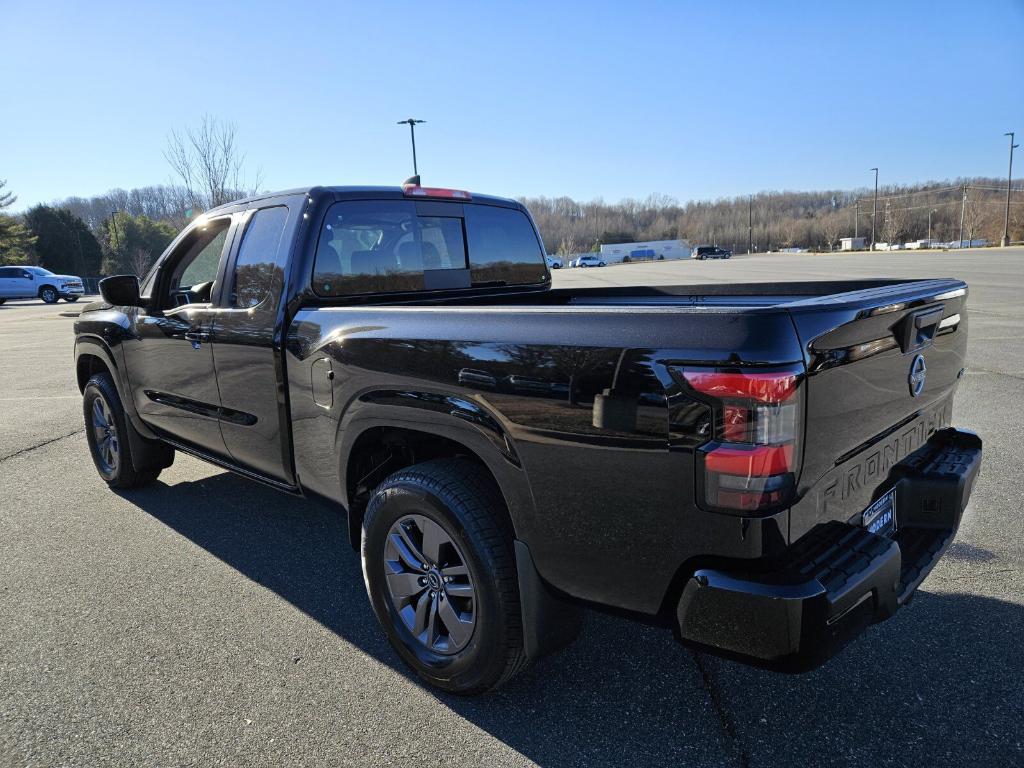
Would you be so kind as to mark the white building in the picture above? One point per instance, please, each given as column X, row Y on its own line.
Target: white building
column 852, row 243
column 647, row 251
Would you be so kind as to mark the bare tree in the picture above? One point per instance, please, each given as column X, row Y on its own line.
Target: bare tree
column 568, row 247
column 977, row 216
column 140, row 260
column 895, row 223
column 831, row 227
column 209, row 164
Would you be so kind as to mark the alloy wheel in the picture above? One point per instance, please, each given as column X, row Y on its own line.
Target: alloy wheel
column 104, row 430
column 429, row 584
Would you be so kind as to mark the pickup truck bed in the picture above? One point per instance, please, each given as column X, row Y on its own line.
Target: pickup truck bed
column 764, row 467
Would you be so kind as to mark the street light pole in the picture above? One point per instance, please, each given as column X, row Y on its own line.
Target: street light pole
column 930, row 226
column 412, row 122
column 874, row 209
column 1009, row 178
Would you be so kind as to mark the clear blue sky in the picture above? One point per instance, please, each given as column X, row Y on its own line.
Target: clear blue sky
column 587, row 99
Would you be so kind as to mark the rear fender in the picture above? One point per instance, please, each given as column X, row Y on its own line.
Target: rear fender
column 452, row 417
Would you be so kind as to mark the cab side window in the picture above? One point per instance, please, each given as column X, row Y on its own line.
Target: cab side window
column 195, row 264
column 257, row 266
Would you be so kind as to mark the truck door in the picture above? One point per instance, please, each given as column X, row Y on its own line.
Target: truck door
column 169, row 357
column 247, row 344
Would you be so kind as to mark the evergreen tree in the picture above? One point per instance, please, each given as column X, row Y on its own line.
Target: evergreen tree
column 133, row 243
column 64, row 243
column 15, row 240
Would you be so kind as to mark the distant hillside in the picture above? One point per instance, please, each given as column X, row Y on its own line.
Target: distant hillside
column 784, row 219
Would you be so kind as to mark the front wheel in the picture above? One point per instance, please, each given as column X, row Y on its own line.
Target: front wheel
column 107, row 432
column 440, row 573
column 48, row 295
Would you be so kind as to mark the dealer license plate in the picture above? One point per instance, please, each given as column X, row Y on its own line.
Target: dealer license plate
column 880, row 517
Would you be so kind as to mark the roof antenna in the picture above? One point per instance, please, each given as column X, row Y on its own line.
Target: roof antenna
column 412, row 181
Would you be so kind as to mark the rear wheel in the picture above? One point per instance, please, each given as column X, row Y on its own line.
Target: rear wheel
column 440, row 572
column 107, row 431
column 49, row 294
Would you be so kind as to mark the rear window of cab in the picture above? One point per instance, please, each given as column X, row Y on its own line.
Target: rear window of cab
column 388, row 246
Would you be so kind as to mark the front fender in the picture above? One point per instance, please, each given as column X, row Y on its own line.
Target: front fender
column 100, row 335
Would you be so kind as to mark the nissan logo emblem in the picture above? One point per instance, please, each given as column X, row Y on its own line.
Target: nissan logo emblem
column 918, row 371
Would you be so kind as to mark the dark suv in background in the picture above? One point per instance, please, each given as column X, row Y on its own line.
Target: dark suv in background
column 711, row 252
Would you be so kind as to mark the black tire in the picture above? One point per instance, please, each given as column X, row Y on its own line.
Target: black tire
column 70, row 299
column 600, row 263
column 49, row 294
column 2, row 301
column 459, row 496
column 105, row 420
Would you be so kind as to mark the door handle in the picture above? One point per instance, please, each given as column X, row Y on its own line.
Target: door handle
column 919, row 328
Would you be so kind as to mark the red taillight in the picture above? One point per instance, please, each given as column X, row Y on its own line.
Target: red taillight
column 750, row 459
column 411, row 190
column 749, row 385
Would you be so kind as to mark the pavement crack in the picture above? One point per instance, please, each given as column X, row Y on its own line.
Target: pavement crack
column 42, row 444
column 725, row 718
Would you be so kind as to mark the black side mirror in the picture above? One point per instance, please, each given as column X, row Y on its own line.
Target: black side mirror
column 121, row 290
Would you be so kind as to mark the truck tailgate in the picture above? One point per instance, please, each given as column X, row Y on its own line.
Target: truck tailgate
column 883, row 364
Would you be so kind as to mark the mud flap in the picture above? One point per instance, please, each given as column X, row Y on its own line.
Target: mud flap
column 549, row 623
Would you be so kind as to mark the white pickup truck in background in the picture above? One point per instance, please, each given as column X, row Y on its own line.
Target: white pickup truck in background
column 37, row 282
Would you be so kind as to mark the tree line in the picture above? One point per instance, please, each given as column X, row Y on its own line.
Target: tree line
column 124, row 231
column 774, row 220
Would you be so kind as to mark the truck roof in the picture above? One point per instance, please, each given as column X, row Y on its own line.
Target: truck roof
column 356, row 192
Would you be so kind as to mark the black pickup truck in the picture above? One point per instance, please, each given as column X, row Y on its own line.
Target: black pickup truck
column 764, row 468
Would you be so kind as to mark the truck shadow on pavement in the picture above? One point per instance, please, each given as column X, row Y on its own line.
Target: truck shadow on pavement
column 937, row 685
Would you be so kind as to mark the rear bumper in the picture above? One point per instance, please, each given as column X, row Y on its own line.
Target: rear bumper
column 838, row 578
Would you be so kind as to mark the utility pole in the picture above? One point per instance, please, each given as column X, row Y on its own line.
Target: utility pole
column 856, row 217
column 887, row 245
column 963, row 205
column 1009, row 178
column 930, row 212
column 412, row 122
column 750, row 224
column 874, row 210
column 113, row 227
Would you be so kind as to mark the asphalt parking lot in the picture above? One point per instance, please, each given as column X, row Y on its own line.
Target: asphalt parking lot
column 209, row 621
